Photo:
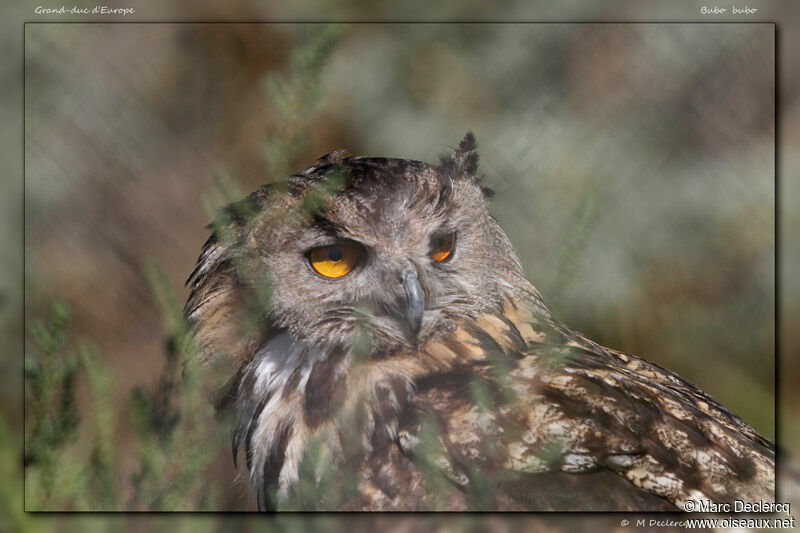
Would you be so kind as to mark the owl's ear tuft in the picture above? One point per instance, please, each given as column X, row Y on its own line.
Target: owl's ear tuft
column 464, row 160
column 241, row 212
column 468, row 143
column 332, row 158
column 298, row 183
column 466, row 156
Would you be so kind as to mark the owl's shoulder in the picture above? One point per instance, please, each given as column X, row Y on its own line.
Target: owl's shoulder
column 543, row 402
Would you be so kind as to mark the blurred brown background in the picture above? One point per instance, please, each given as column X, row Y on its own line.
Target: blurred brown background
column 633, row 165
column 644, row 153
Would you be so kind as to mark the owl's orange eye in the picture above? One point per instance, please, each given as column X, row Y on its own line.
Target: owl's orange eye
column 442, row 247
column 334, row 261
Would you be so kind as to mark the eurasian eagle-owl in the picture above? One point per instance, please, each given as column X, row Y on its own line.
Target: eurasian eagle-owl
column 386, row 352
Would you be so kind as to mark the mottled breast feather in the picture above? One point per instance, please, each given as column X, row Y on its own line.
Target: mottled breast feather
column 501, row 415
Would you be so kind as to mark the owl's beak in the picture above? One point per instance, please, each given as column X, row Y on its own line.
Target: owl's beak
column 415, row 300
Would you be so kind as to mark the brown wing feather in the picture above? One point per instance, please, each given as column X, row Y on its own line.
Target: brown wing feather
column 555, row 410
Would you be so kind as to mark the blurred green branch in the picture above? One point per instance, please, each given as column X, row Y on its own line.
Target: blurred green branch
column 171, row 424
column 51, row 416
column 296, row 97
column 151, row 452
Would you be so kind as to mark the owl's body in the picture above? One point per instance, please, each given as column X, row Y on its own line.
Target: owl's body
column 386, row 352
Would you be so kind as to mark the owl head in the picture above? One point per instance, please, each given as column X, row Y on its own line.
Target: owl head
column 385, row 254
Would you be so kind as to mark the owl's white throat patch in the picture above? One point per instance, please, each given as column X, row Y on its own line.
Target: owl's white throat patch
column 292, row 396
